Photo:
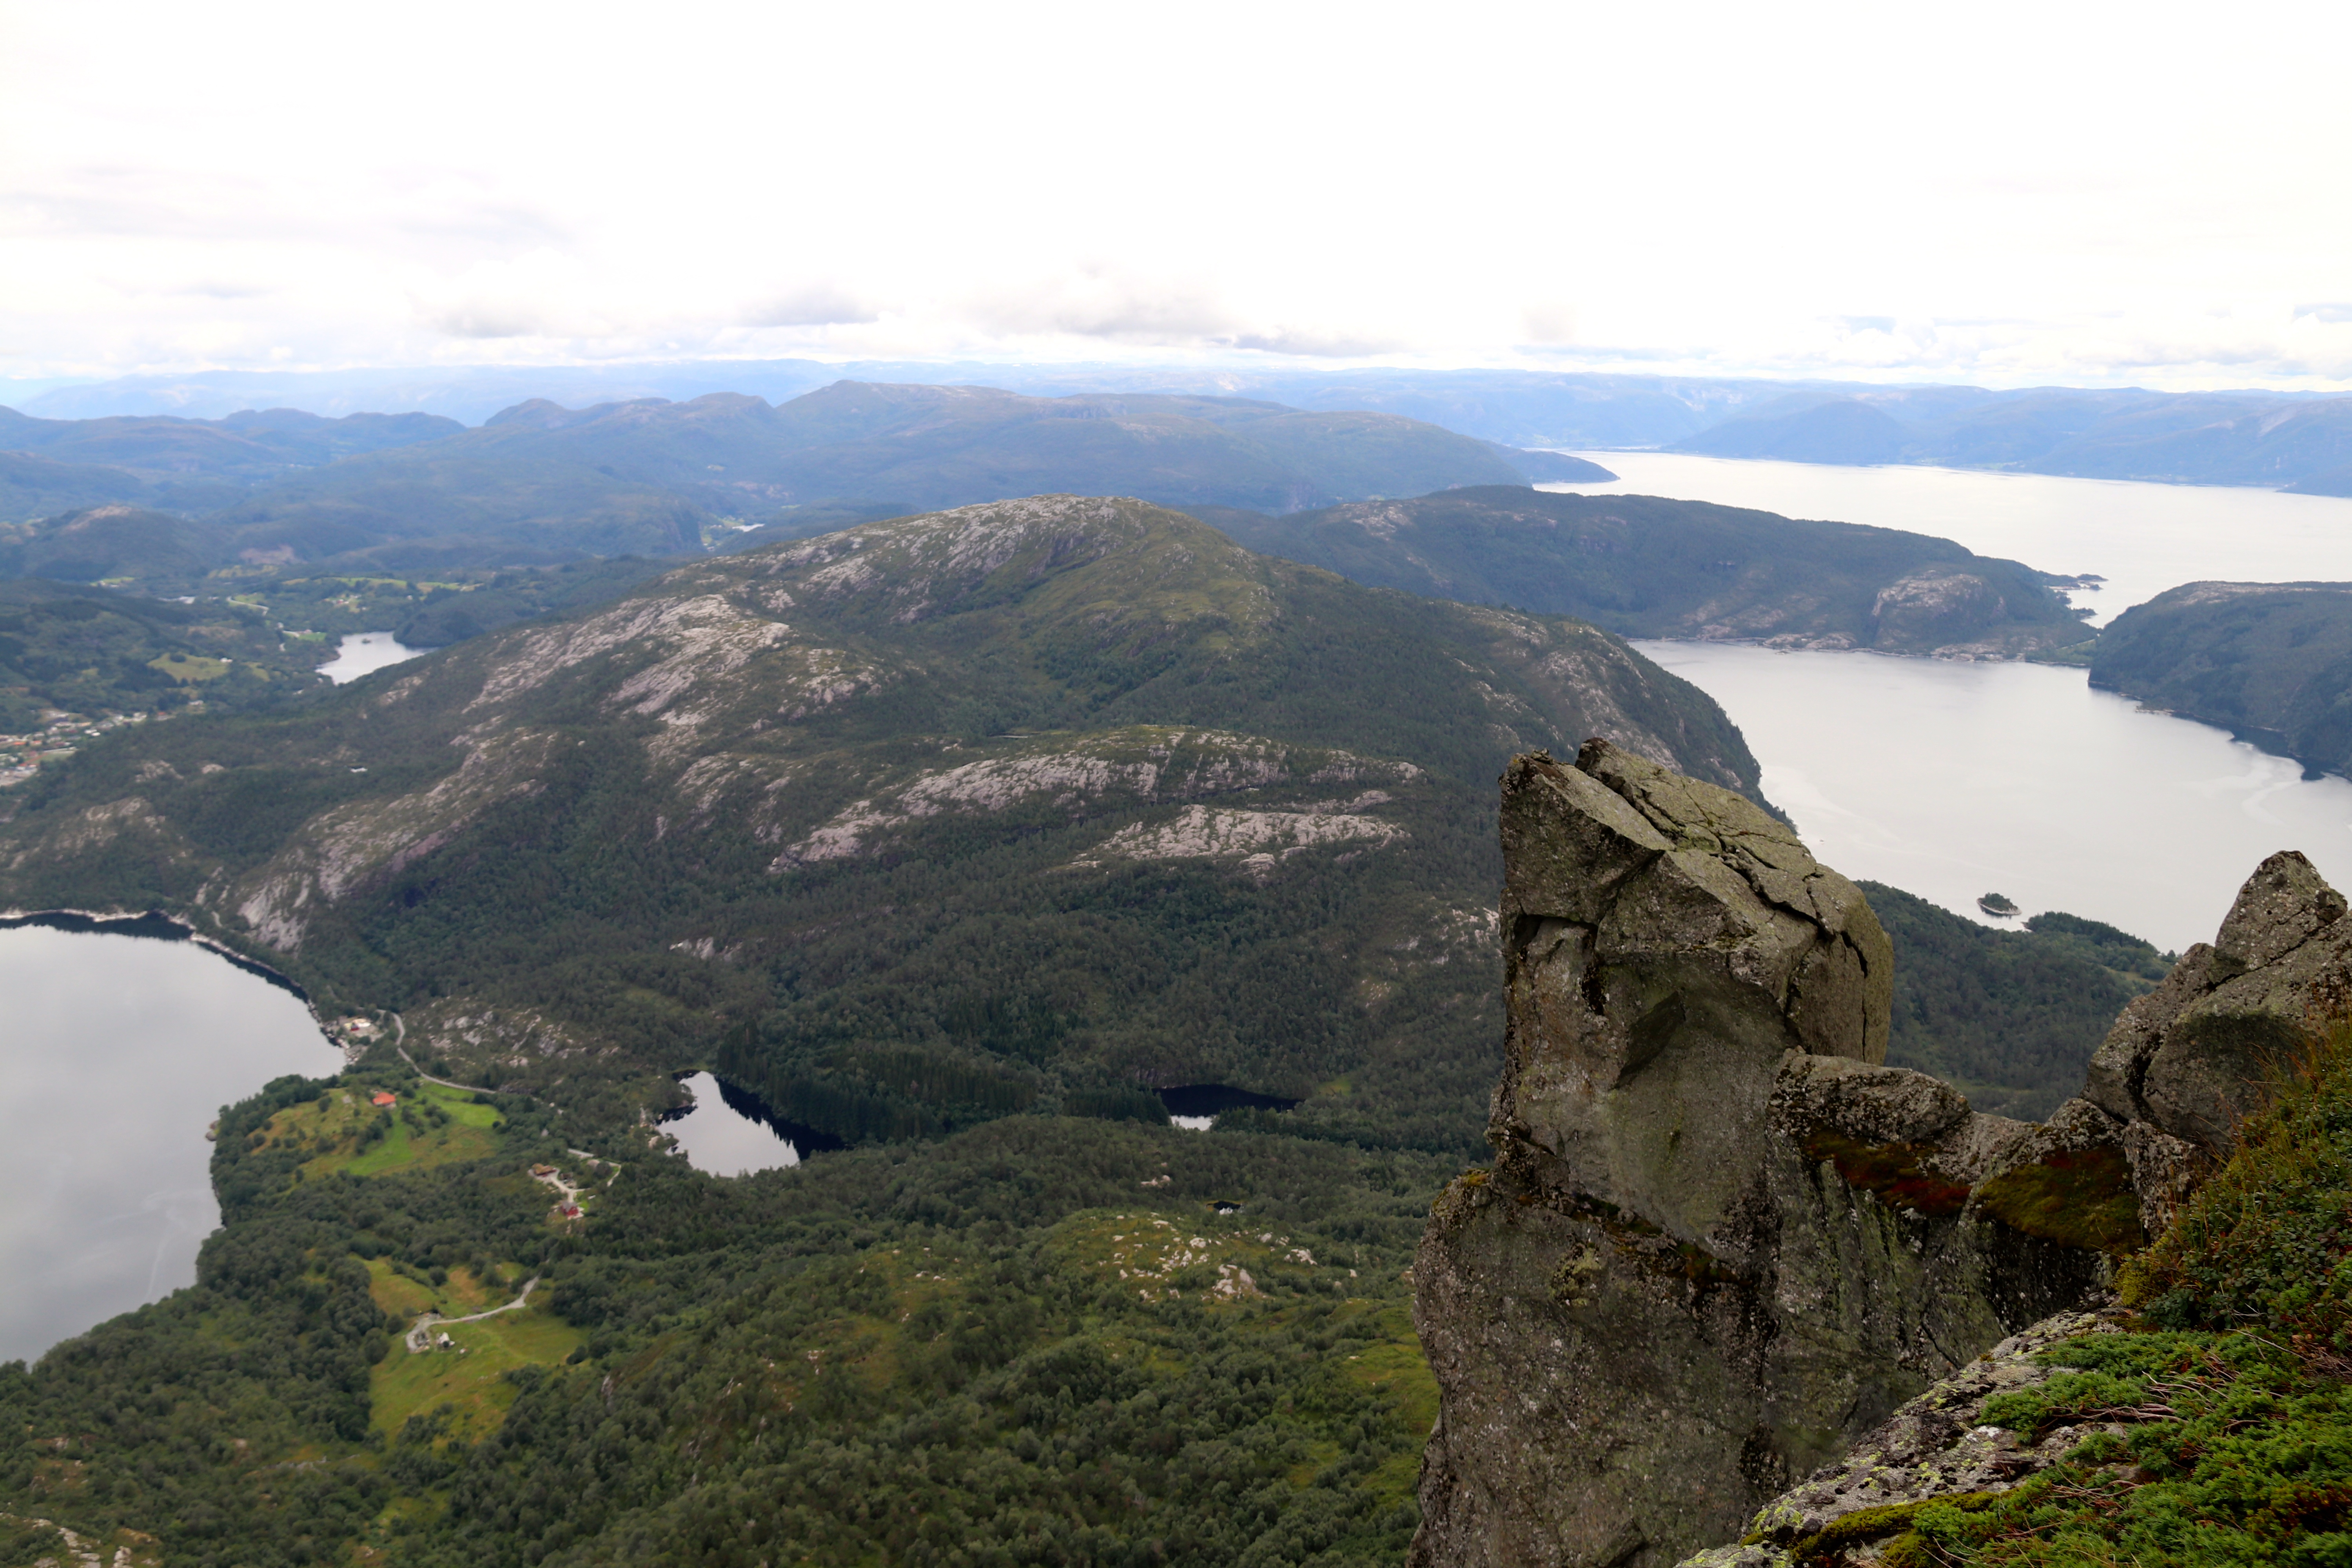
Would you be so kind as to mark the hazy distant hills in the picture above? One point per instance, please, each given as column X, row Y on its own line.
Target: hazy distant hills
column 2231, row 437
column 540, row 483
column 55, row 465
column 1646, row 566
column 1044, row 803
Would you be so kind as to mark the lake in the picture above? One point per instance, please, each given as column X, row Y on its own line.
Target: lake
column 116, row 1054
column 365, row 653
column 2142, row 538
column 1953, row 780
column 729, row 1132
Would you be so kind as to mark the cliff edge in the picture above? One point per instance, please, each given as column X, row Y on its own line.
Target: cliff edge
column 1721, row 1240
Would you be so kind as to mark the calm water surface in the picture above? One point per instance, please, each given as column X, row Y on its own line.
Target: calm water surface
column 2142, row 538
column 116, row 1053
column 1953, row 780
column 364, row 654
column 726, row 1134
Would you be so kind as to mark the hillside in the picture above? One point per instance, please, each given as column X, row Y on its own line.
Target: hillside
column 2223, row 438
column 50, row 465
column 90, row 652
column 1045, row 803
column 598, row 479
column 539, row 484
column 1645, row 566
column 2271, row 662
column 2010, row 1017
column 2215, row 438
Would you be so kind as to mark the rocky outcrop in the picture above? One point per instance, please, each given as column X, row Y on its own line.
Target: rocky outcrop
column 1720, row 1240
column 1936, row 1447
column 2182, row 1068
column 2185, row 1063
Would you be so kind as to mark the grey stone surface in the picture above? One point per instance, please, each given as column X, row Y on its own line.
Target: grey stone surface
column 2192, row 1058
column 1934, row 1446
column 1871, row 1104
column 1720, row 1240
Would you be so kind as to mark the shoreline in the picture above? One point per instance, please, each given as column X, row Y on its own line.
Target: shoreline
column 157, row 925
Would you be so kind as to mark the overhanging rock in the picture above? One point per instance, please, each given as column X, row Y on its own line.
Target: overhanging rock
column 1720, row 1240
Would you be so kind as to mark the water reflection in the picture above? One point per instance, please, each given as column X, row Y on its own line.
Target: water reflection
column 730, row 1131
column 116, row 1052
column 1953, row 780
column 2142, row 538
column 365, row 653
column 1196, row 1106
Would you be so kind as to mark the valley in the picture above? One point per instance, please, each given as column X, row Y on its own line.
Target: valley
column 953, row 838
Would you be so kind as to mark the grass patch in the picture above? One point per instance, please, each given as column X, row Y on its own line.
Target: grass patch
column 190, row 668
column 470, row 1378
column 343, row 1130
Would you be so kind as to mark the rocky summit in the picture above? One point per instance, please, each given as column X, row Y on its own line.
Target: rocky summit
column 1720, row 1240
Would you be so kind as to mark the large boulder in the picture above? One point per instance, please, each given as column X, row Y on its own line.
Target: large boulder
column 1720, row 1240
column 2186, row 1063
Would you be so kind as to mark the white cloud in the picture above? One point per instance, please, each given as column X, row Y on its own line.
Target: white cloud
column 1825, row 189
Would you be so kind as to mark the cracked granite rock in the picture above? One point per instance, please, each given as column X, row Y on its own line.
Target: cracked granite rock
column 1721, row 1239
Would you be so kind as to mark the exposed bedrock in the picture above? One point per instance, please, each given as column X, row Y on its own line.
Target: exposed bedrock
column 1720, row 1240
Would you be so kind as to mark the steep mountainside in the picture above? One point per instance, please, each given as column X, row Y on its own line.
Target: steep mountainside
column 2271, row 662
column 1050, row 801
column 1644, row 566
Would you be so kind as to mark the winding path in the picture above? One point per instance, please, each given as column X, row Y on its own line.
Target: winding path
column 420, row 1338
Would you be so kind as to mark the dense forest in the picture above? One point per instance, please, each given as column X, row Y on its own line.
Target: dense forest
column 1043, row 1340
column 1029, row 807
column 1646, row 566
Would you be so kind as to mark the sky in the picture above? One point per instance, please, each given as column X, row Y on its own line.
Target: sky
column 2009, row 196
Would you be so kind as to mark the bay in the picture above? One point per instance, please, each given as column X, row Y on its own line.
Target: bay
column 365, row 653
column 2143, row 538
column 116, row 1053
column 1953, row 780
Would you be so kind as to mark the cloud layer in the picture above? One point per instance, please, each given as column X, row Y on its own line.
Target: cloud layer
column 2140, row 196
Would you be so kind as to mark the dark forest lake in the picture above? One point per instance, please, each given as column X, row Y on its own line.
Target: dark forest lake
column 729, row 1132
column 116, row 1054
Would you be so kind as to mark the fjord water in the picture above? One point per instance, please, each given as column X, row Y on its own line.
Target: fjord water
column 116, row 1053
column 2143, row 538
column 1954, row 780
column 365, row 653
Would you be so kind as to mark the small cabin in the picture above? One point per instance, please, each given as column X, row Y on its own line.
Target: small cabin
column 383, row 1097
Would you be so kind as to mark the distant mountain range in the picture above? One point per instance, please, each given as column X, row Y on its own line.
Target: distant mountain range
column 157, row 499
column 1645, row 566
column 2221, row 438
column 2295, row 441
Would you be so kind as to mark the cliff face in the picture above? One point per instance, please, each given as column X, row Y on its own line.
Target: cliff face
column 2177, row 1077
column 1720, row 1240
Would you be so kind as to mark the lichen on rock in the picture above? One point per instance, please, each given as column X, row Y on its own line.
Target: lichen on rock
column 1854, row 1230
column 1721, row 1239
